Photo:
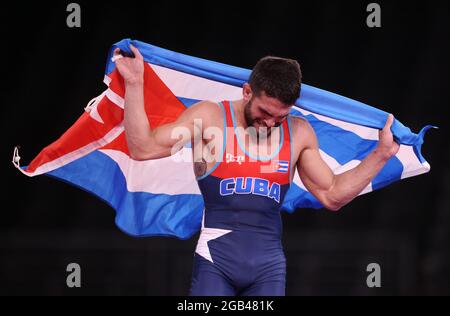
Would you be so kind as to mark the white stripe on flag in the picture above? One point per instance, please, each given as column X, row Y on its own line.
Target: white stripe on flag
column 107, row 80
column 193, row 87
column 361, row 131
column 170, row 175
column 115, row 98
column 81, row 152
column 411, row 164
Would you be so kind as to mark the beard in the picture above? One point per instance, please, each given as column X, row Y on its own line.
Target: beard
column 262, row 131
column 249, row 119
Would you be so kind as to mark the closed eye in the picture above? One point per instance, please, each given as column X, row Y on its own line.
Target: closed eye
column 281, row 118
column 265, row 112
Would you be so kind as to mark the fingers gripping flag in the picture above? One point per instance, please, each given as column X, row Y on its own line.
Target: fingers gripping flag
column 161, row 197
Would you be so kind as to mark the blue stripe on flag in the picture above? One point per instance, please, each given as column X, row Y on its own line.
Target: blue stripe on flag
column 188, row 102
column 390, row 173
column 138, row 214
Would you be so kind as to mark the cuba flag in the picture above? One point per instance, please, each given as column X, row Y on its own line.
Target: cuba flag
column 282, row 166
column 161, row 197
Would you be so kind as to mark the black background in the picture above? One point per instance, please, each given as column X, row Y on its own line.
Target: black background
column 51, row 71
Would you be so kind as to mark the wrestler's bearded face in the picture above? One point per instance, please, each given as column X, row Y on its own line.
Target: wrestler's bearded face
column 265, row 113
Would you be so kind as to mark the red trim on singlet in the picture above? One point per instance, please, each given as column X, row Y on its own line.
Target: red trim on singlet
column 252, row 167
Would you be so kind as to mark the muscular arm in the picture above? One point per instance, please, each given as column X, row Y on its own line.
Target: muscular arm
column 143, row 142
column 335, row 191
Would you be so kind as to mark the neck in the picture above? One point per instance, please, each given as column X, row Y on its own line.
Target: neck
column 238, row 106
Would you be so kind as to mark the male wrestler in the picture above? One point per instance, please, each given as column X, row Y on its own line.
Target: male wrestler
column 239, row 251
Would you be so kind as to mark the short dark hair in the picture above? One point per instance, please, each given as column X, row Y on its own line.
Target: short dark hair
column 278, row 77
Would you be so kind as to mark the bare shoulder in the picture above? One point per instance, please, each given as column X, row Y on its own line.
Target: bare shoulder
column 204, row 109
column 210, row 113
column 302, row 132
column 300, row 125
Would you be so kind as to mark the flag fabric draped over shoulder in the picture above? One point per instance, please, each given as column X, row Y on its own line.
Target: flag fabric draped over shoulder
column 161, row 197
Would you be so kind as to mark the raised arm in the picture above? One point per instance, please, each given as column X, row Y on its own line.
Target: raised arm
column 335, row 191
column 143, row 142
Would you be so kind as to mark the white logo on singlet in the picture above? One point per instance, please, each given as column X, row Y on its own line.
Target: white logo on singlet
column 238, row 159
